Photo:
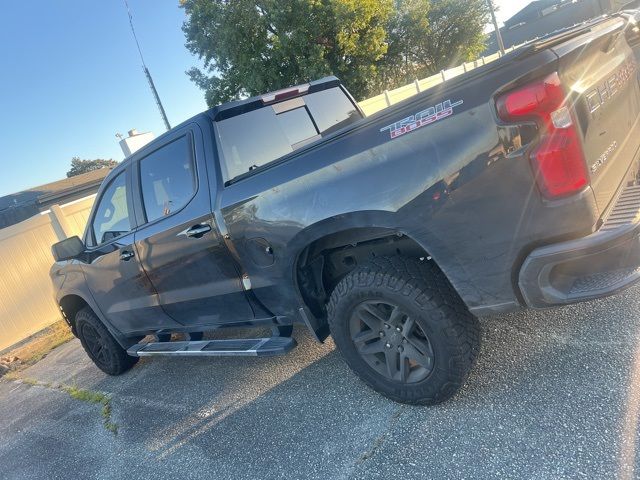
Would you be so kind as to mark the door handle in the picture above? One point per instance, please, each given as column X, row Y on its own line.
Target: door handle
column 126, row 255
column 198, row 231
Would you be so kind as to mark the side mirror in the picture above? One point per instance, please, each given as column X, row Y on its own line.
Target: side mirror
column 67, row 249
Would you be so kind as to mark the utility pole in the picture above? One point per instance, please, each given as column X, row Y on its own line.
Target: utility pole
column 495, row 25
column 147, row 73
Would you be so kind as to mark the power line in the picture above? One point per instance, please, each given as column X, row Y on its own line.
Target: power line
column 146, row 71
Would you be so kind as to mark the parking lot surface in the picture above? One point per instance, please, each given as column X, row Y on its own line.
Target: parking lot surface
column 555, row 394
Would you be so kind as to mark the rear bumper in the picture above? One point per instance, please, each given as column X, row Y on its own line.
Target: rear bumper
column 594, row 266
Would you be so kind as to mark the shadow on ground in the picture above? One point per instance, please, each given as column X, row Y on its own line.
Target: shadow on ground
column 554, row 395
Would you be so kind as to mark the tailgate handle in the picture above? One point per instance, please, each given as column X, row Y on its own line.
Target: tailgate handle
column 198, row 231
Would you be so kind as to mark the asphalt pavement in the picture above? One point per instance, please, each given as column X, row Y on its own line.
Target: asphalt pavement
column 555, row 394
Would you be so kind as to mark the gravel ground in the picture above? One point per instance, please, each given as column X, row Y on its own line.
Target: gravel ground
column 555, row 394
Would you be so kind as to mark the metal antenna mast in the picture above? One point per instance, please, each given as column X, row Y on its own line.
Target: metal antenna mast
column 146, row 72
column 495, row 25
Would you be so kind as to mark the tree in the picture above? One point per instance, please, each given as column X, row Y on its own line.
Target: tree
column 252, row 47
column 457, row 33
column 79, row 166
column 408, row 29
column 426, row 36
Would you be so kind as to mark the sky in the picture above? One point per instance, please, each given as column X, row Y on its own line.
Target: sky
column 72, row 79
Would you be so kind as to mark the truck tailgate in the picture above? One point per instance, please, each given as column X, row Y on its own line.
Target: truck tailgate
column 601, row 71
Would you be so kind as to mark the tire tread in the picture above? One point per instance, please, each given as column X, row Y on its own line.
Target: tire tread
column 429, row 290
column 121, row 361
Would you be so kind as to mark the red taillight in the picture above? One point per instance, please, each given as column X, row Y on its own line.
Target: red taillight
column 558, row 160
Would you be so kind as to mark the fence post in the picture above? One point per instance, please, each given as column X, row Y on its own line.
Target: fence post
column 417, row 84
column 387, row 98
column 442, row 75
column 464, row 67
column 483, row 61
column 59, row 223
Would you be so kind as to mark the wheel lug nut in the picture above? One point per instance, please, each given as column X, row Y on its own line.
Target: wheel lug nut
column 387, row 326
column 404, row 340
column 381, row 334
column 400, row 349
column 398, row 329
column 388, row 345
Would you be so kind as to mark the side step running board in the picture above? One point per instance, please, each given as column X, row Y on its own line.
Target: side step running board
column 247, row 347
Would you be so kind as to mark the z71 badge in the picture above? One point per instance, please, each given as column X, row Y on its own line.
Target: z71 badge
column 420, row 119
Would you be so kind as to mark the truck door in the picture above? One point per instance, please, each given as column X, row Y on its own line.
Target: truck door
column 113, row 272
column 178, row 242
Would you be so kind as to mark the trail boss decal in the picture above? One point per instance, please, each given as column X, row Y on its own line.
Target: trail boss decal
column 420, row 119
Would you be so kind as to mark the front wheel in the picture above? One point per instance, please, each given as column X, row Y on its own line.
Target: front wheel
column 403, row 330
column 100, row 345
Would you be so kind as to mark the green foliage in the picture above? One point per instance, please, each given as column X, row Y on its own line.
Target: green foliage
column 83, row 395
column 253, row 47
column 79, row 166
column 426, row 36
column 457, row 33
column 92, row 396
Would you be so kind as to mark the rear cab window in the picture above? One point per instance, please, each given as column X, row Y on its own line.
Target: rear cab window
column 258, row 137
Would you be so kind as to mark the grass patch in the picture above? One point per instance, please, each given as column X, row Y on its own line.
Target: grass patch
column 80, row 394
column 83, row 395
column 12, row 376
column 30, row 381
column 35, row 349
column 38, row 346
column 92, row 396
column 106, row 416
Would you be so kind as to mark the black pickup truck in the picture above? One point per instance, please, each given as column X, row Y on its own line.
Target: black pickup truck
column 513, row 186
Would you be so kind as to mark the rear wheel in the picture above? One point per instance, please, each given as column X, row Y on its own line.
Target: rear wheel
column 403, row 330
column 100, row 345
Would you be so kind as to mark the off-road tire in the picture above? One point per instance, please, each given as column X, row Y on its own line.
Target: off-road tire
column 100, row 345
column 420, row 290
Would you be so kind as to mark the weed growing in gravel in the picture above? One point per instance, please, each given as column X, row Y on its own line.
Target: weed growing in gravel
column 81, row 394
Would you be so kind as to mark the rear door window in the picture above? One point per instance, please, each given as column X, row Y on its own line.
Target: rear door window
column 256, row 138
column 167, row 179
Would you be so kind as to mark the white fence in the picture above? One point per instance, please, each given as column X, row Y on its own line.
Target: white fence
column 389, row 97
column 26, row 294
